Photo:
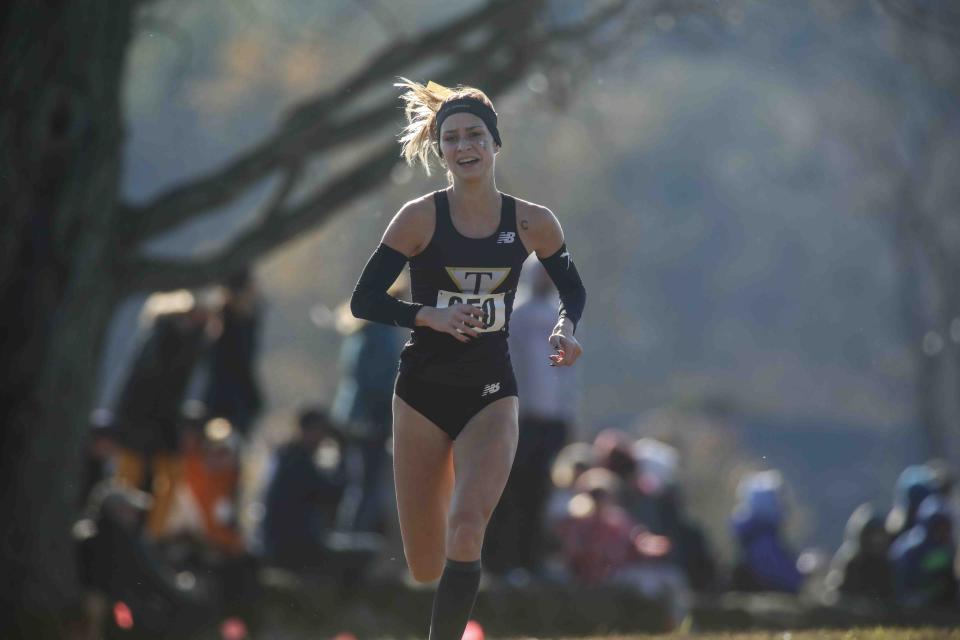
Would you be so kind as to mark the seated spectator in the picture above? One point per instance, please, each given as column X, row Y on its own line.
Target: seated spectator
column 210, row 486
column 602, row 545
column 923, row 558
column 203, row 535
column 914, row 484
column 121, row 570
column 101, row 451
column 764, row 563
column 942, row 478
column 302, row 498
column 943, row 484
column 654, row 499
column 658, row 468
column 691, row 550
column 571, row 463
column 861, row 568
column 614, row 450
column 597, row 536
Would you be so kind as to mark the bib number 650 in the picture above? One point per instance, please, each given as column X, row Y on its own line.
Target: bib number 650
column 491, row 305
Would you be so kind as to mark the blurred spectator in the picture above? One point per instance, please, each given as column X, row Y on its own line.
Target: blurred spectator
column 690, row 547
column 302, row 498
column 942, row 478
column 649, row 470
column 515, row 535
column 639, row 490
column 923, row 558
column 657, row 472
column 943, row 482
column 861, row 567
column 207, row 515
column 598, row 537
column 764, row 563
column 602, row 545
column 571, row 463
column 233, row 391
column 613, row 450
column 178, row 331
column 652, row 496
column 207, row 498
column 363, row 406
column 121, row 571
column 101, row 451
column 914, row 484
column 202, row 536
column 193, row 419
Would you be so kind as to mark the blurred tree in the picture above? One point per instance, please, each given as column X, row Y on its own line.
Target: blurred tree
column 908, row 142
column 924, row 217
column 71, row 249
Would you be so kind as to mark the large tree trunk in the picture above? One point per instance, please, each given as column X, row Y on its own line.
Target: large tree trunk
column 914, row 323
column 951, row 328
column 60, row 147
column 942, row 359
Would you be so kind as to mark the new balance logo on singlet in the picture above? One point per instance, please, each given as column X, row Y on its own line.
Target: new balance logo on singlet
column 490, row 389
column 506, row 237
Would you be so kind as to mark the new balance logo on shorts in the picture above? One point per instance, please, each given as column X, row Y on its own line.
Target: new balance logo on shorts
column 490, row 389
column 506, row 237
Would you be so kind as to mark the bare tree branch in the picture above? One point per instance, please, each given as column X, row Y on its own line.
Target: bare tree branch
column 312, row 126
column 277, row 225
column 271, row 232
column 502, row 58
column 275, row 205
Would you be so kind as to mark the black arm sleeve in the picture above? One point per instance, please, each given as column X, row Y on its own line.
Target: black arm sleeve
column 370, row 299
column 573, row 297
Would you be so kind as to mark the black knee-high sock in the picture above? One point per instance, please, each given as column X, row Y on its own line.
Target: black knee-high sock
column 454, row 600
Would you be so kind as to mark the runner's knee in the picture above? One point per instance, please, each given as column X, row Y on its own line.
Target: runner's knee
column 465, row 538
column 426, row 569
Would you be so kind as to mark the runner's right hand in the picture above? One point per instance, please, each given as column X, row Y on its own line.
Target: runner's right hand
column 458, row 320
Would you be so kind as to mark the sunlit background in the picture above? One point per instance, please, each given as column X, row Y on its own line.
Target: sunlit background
column 730, row 191
column 761, row 197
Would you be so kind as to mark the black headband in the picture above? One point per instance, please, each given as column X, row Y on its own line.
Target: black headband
column 469, row 105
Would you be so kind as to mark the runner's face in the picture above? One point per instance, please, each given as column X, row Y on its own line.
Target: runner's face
column 467, row 146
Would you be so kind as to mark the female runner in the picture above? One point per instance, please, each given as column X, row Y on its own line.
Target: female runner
column 455, row 400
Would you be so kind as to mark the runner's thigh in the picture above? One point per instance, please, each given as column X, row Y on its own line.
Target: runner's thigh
column 423, row 471
column 483, row 454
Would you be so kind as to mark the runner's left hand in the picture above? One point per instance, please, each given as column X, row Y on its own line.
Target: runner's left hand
column 567, row 347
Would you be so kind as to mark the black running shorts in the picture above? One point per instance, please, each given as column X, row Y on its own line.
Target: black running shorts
column 451, row 407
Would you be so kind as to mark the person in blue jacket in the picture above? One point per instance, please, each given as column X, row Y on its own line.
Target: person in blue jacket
column 915, row 483
column 765, row 563
column 923, row 558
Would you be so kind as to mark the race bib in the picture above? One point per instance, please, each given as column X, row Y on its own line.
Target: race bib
column 493, row 306
column 475, row 284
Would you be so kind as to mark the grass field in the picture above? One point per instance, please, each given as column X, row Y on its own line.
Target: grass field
column 849, row 634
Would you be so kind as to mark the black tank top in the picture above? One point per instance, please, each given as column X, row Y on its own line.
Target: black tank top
column 456, row 269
